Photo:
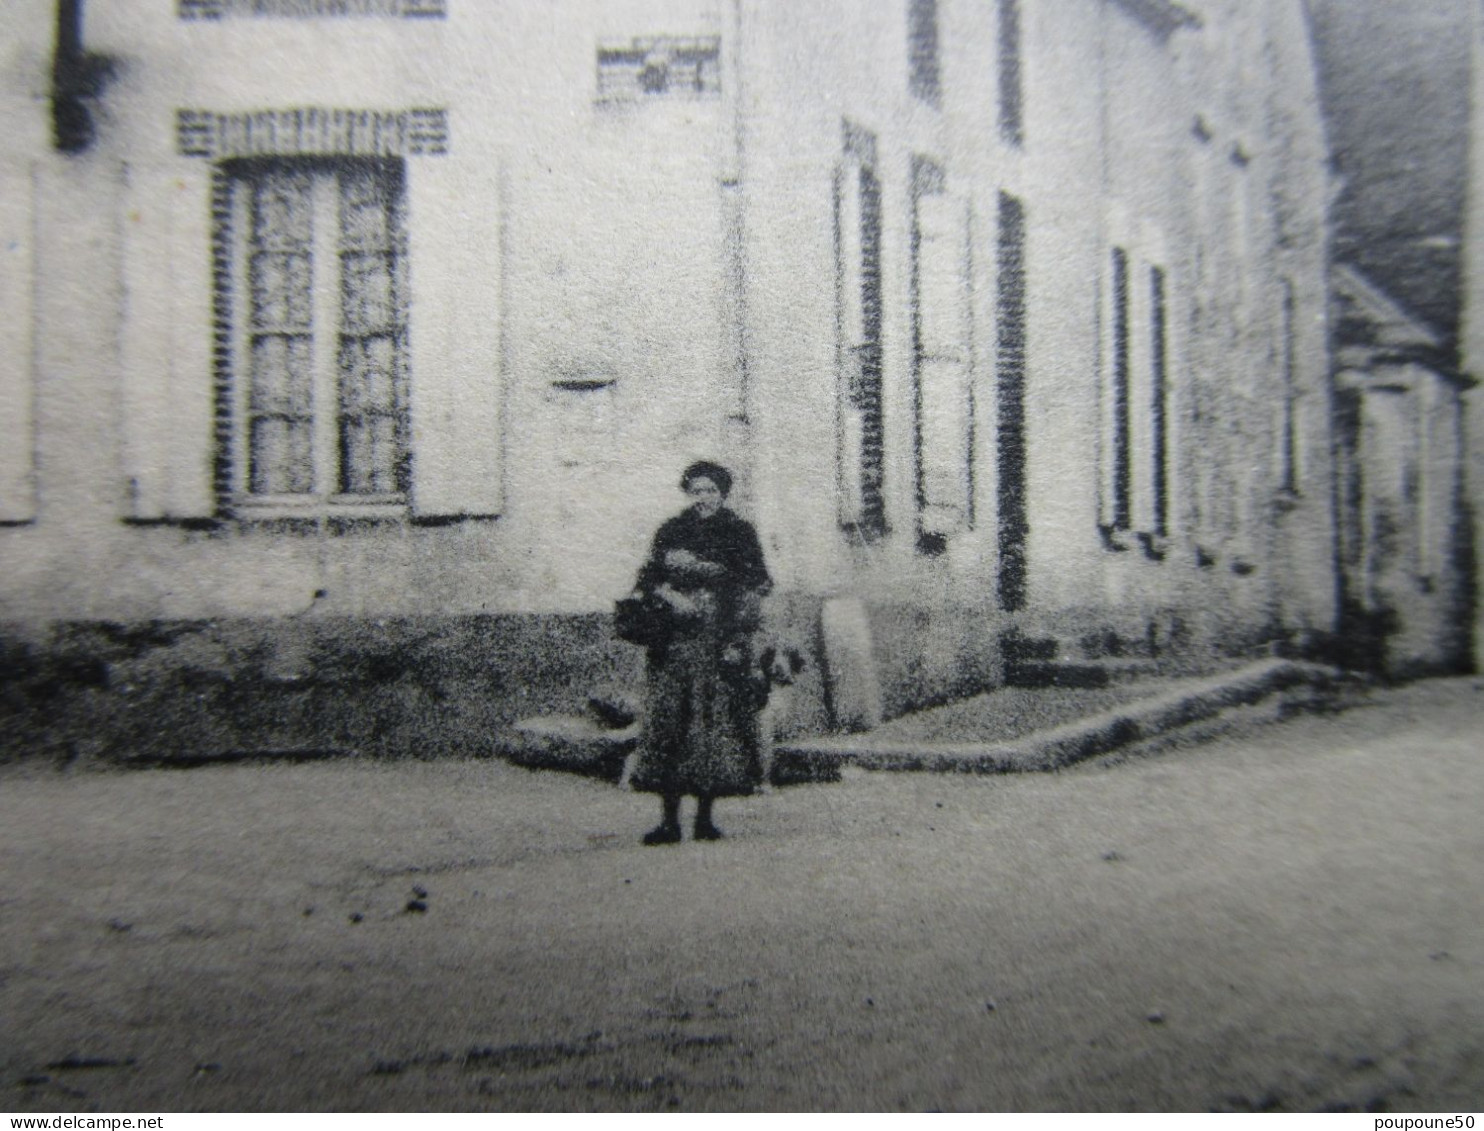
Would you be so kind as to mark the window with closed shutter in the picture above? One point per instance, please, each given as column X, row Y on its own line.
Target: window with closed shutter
column 1136, row 473
column 1288, row 455
column 1159, row 362
column 1010, row 372
column 943, row 393
column 924, row 73
column 861, row 454
column 1121, row 462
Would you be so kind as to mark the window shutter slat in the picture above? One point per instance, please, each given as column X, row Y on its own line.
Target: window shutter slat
column 943, row 367
column 852, row 417
column 945, row 442
column 1139, row 404
column 456, row 364
column 858, row 282
column 169, row 394
column 17, row 381
column 848, row 232
column 943, row 276
column 852, row 447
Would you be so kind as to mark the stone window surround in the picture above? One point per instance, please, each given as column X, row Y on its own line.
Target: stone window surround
column 304, row 132
column 313, row 132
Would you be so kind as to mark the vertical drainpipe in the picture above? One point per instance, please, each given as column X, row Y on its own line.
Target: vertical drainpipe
column 736, row 365
column 1105, row 504
column 1471, row 337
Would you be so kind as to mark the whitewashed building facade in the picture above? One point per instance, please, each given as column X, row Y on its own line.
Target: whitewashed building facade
column 382, row 328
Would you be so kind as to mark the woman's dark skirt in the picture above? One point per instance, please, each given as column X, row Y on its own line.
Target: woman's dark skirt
column 700, row 723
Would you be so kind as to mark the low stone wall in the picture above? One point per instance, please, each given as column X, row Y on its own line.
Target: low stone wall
column 395, row 687
column 176, row 692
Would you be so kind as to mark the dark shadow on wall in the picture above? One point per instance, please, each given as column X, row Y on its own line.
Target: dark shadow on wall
column 78, row 80
column 1458, row 645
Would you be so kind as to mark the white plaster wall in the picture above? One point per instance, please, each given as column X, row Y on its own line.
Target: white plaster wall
column 1471, row 342
column 1063, row 191
column 24, row 74
column 559, row 238
column 563, row 239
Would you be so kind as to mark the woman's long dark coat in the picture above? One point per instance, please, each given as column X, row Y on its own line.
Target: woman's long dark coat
column 700, row 729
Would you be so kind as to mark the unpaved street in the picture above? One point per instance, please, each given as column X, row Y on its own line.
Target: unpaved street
column 1290, row 915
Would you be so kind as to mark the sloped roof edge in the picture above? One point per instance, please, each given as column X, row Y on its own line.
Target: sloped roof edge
column 1164, row 17
column 1389, row 334
column 1395, row 325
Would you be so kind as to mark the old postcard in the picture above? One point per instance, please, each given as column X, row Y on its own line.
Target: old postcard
column 549, row 545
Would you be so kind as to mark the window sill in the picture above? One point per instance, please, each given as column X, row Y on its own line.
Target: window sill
column 336, row 508
column 1155, row 546
column 1114, row 538
column 1120, row 541
column 683, row 98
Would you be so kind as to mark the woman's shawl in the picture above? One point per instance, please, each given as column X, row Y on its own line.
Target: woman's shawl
column 726, row 540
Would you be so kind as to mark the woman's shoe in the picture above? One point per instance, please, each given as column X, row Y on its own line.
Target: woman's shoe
column 663, row 834
column 705, row 830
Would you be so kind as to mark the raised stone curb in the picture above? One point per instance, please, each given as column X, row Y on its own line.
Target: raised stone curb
column 575, row 743
column 1181, row 704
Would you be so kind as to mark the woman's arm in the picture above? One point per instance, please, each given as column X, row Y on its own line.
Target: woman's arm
column 652, row 572
column 749, row 571
column 692, row 567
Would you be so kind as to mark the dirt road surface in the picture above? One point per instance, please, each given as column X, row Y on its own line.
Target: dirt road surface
column 1287, row 916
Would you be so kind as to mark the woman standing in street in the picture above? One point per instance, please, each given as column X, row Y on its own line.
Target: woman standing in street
column 700, row 730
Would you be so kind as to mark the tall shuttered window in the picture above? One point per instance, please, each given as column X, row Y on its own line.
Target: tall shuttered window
column 1120, row 440
column 942, row 392
column 1010, row 368
column 859, row 348
column 1159, row 352
column 924, row 68
column 1288, row 455
column 313, row 307
column 1136, row 497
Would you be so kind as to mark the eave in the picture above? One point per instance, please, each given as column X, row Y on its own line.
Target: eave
column 1163, row 17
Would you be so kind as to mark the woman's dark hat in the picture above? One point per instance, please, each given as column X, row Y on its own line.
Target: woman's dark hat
column 705, row 469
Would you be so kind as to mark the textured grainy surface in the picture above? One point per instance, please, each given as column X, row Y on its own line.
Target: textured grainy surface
column 1395, row 90
column 1298, row 903
column 1016, row 729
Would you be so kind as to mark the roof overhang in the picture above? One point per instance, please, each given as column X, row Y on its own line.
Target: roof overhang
column 1377, row 369
column 1163, row 17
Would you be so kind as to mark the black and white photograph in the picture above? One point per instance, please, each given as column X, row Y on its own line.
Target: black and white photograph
column 711, row 556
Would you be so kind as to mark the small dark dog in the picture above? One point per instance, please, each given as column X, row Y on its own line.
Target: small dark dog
column 780, row 665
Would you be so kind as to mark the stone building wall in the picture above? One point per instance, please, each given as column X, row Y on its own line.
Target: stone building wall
column 1009, row 316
